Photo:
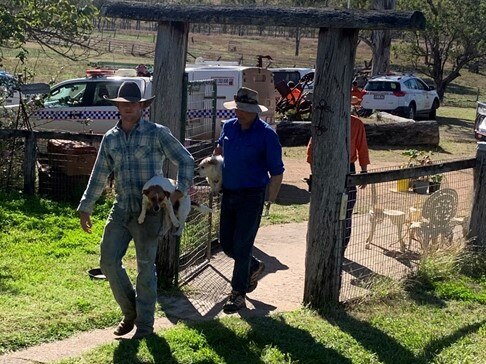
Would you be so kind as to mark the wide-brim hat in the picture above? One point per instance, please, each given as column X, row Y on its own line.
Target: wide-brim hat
column 130, row 92
column 245, row 99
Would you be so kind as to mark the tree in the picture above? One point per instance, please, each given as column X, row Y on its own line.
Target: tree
column 381, row 41
column 453, row 38
column 63, row 26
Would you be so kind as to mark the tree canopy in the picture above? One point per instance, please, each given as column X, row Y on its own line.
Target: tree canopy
column 453, row 38
column 63, row 26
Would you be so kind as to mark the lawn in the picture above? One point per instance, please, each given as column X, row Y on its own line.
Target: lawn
column 437, row 316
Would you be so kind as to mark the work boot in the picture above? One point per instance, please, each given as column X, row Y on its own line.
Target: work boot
column 124, row 327
column 254, row 276
column 236, row 301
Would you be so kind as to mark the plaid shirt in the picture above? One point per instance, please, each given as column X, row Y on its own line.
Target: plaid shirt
column 134, row 159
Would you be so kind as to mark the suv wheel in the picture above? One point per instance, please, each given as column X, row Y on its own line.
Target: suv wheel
column 412, row 111
column 433, row 111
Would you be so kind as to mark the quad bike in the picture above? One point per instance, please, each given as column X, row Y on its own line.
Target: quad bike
column 296, row 101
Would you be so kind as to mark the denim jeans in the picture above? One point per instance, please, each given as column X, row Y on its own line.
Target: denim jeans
column 352, row 194
column 241, row 212
column 137, row 304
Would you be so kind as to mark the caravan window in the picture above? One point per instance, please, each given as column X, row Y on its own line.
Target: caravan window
column 286, row 76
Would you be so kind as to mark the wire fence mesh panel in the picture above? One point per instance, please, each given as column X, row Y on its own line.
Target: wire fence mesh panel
column 396, row 223
column 201, row 229
column 11, row 163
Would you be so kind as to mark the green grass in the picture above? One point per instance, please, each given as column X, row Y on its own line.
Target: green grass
column 438, row 317
column 394, row 331
column 45, row 291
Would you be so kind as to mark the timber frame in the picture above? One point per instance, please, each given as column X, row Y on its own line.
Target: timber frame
column 338, row 35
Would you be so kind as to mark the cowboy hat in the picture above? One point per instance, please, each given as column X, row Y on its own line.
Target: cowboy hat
column 130, row 92
column 246, row 99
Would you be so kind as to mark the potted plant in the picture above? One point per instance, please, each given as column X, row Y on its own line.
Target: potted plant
column 417, row 158
column 434, row 182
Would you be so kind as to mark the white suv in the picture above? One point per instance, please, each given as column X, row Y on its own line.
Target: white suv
column 405, row 95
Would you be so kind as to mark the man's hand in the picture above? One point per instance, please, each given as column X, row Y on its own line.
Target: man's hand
column 266, row 208
column 175, row 196
column 85, row 220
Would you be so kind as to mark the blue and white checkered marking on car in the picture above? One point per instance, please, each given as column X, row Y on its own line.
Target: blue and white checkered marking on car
column 109, row 115
column 82, row 114
column 207, row 113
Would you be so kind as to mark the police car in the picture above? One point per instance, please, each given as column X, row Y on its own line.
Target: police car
column 79, row 105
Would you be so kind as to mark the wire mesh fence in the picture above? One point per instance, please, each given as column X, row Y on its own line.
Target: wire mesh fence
column 395, row 223
column 200, row 130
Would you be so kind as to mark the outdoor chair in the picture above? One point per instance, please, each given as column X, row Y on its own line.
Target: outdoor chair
column 436, row 219
column 377, row 215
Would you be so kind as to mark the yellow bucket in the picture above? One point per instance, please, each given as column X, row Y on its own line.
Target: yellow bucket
column 402, row 185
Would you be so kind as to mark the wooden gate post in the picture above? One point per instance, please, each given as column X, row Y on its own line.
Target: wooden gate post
column 170, row 63
column 30, row 157
column 477, row 227
column 330, row 134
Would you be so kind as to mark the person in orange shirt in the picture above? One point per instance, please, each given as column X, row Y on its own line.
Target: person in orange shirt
column 358, row 153
column 356, row 94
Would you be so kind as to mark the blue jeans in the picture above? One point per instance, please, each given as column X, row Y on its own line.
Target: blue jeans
column 137, row 304
column 351, row 191
column 241, row 212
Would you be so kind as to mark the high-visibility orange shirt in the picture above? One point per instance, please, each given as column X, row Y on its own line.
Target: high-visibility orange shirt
column 358, row 146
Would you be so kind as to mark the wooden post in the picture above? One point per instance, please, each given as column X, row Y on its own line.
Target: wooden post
column 29, row 163
column 170, row 62
column 330, row 135
column 477, row 227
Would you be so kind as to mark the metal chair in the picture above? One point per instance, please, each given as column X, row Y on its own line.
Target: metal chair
column 436, row 219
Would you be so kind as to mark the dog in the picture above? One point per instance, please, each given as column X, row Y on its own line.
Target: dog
column 156, row 195
column 212, row 169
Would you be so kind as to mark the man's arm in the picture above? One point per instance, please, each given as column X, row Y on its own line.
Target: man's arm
column 274, row 187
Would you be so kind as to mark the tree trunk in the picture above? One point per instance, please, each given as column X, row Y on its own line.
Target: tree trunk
column 297, row 41
column 381, row 41
column 403, row 134
column 330, row 135
column 170, row 61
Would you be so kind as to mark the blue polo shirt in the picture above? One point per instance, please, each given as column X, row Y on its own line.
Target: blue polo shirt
column 250, row 156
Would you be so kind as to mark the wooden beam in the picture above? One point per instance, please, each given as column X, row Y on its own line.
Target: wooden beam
column 266, row 15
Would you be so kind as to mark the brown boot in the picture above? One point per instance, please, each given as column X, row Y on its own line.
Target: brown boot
column 124, row 327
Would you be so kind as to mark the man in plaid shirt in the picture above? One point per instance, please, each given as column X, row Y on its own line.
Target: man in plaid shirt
column 134, row 150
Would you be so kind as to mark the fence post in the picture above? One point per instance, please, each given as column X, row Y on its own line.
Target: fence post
column 477, row 228
column 30, row 156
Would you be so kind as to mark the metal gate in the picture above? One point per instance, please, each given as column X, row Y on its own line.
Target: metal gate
column 199, row 133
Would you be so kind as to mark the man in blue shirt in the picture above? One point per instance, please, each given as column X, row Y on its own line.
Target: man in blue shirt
column 252, row 160
column 134, row 150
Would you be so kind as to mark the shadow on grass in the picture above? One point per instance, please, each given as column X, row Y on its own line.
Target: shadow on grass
column 422, row 293
column 127, row 350
column 291, row 195
column 266, row 333
column 436, row 346
column 388, row 350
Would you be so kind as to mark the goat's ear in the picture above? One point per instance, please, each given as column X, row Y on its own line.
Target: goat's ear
column 145, row 192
